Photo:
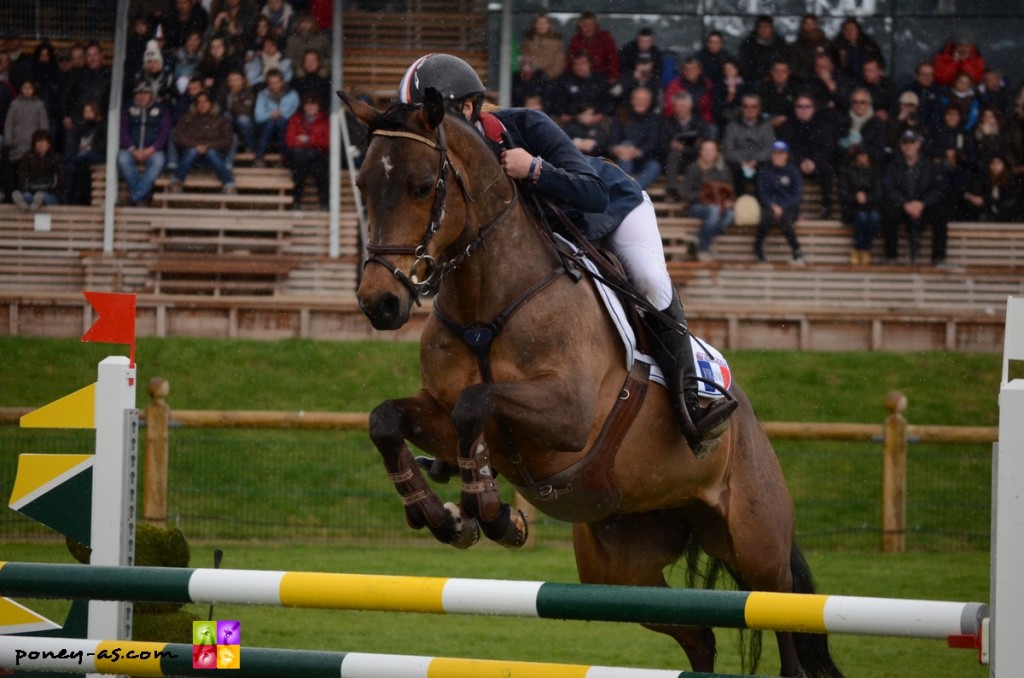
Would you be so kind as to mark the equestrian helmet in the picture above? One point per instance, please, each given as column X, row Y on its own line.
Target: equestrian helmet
column 451, row 76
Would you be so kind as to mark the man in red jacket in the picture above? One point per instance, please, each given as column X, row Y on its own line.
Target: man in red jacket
column 308, row 142
column 956, row 57
column 598, row 43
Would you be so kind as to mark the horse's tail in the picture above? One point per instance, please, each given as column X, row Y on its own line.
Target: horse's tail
column 811, row 648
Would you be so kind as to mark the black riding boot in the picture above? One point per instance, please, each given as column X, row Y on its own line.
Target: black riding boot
column 702, row 426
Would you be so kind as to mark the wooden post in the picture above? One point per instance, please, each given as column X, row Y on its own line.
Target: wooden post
column 894, row 476
column 158, row 416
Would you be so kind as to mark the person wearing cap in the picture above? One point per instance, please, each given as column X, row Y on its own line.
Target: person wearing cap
column 908, row 116
column 603, row 201
column 914, row 188
column 780, row 188
column 156, row 77
column 145, row 131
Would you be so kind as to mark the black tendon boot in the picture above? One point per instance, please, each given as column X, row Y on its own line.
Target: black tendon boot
column 702, row 426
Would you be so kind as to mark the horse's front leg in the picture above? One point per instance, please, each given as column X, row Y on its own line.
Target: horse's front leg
column 544, row 410
column 420, row 419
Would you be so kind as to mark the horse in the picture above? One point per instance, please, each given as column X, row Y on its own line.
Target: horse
column 524, row 376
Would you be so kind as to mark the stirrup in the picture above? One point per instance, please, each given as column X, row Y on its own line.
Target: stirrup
column 704, row 435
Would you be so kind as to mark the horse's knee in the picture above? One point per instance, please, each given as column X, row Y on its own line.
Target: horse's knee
column 470, row 411
column 386, row 425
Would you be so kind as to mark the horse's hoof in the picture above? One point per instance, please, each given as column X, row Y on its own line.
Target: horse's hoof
column 466, row 531
column 437, row 469
column 518, row 531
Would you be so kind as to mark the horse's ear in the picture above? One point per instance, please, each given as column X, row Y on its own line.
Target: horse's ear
column 433, row 108
column 364, row 112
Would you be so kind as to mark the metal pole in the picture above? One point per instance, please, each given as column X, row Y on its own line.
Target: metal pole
column 114, row 124
column 334, row 228
column 505, row 74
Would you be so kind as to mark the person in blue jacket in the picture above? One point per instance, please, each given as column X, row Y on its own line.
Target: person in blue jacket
column 602, row 200
column 780, row 189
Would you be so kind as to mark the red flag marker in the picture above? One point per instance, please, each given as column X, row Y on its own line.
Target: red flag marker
column 116, row 322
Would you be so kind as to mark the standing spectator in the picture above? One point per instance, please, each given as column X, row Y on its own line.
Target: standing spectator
column 203, row 135
column 187, row 59
column 691, row 79
column 713, row 55
column 307, row 36
column 580, row 84
column 852, row 47
column 683, row 136
column 40, row 174
column 308, row 144
column 312, row 81
column 275, row 104
column 929, row 94
column 25, row 117
column 543, row 44
column 89, row 83
column 727, row 94
column 280, row 13
column 269, row 59
column 527, row 81
column 882, row 88
column 914, row 190
column 237, row 100
column 862, row 127
column 778, row 94
column 811, row 140
column 829, row 86
column 642, row 46
column 86, row 146
column 957, row 56
column 908, row 117
column 217, row 63
column 748, row 144
column 709, row 190
column 860, row 194
column 635, row 136
column 996, row 193
column 156, row 77
column 598, row 43
column 810, row 42
column 587, row 130
column 961, row 95
column 145, row 131
column 762, row 48
column 186, row 17
column 779, row 189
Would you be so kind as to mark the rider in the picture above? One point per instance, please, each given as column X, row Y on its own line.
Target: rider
column 618, row 211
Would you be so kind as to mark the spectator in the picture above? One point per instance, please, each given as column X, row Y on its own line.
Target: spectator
column 642, row 75
column 234, row 20
column 145, row 131
column 21, row 60
column 187, row 59
column 882, row 88
column 156, row 77
column 587, row 131
column 280, row 13
column 727, row 94
column 957, row 56
column 952, row 148
column 779, row 189
column 961, row 95
column 323, row 12
column 135, row 49
column 929, row 94
column 269, row 59
column 642, row 46
column 995, row 193
column 312, row 81
column 682, row 137
column 203, row 135
column 913, row 190
column 994, row 92
column 829, row 86
column 748, row 143
column 713, row 55
column 46, row 75
column 217, row 63
column 811, row 140
column 40, row 174
column 709, row 190
column 86, row 146
column 275, row 104
column 25, row 117
column 308, row 145
column 529, row 81
column 307, row 36
column 906, row 118
column 580, row 84
column 89, row 83
column 778, row 94
column 992, row 137
column 860, row 194
column 852, row 47
column 254, row 41
column 762, row 48
column 598, row 43
column 810, row 42
column 691, row 79
column 188, row 16
column 635, row 136
column 237, row 100
column 543, row 45
column 862, row 127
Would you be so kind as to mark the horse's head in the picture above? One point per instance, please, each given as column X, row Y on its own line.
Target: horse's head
column 418, row 206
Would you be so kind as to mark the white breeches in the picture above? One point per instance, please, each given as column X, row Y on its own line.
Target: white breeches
column 637, row 244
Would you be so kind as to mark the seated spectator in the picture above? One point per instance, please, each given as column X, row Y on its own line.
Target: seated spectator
column 281, row 14
column 852, row 47
column 641, row 47
column 748, row 144
column 709, row 190
column 237, row 100
column 1016, row 122
column 275, row 105
column 598, row 43
column 907, row 117
column 992, row 138
column 862, row 127
column 312, row 81
column 529, row 81
column 713, row 55
column 995, row 193
column 727, row 94
column 829, row 86
column 308, row 146
column 780, row 190
column 811, row 140
column 233, row 20
column 641, row 75
column 86, row 146
column 268, row 59
column 682, row 137
column 579, row 84
column 860, row 194
column 187, row 59
column 760, row 49
column 543, row 45
column 254, row 39
column 929, row 94
column 187, row 16
column 588, row 131
column 88, row 83
column 882, row 88
column 308, row 36
column 691, row 79
column 40, row 174
column 203, row 135
column 778, row 93
column 634, row 139
column 217, row 63
column 135, row 48
column 994, row 92
column 952, row 148
column 961, row 95
column 959, row 55
column 155, row 76
column 810, row 42
column 145, row 131
column 913, row 197
column 46, row 75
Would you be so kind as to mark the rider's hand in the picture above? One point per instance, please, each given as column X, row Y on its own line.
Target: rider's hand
column 516, row 162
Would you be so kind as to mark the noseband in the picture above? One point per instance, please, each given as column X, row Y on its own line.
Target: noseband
column 435, row 271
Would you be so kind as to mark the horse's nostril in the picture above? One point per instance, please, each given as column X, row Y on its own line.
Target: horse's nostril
column 389, row 307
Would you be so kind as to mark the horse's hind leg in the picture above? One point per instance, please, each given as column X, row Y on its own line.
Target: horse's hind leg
column 421, row 420
column 634, row 550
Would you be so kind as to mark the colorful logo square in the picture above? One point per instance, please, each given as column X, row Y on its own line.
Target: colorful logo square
column 204, row 656
column 229, row 632
column 229, row 656
column 204, row 633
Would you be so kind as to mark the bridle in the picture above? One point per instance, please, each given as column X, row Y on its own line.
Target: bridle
column 435, row 271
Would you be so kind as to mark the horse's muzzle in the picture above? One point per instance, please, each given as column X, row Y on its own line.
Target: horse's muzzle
column 386, row 310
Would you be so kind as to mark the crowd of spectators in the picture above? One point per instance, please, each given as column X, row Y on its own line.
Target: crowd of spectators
column 204, row 80
column 946, row 144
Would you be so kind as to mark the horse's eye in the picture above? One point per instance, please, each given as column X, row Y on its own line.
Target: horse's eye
column 423, row 190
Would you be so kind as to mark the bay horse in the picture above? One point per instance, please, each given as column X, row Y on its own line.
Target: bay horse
column 523, row 375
